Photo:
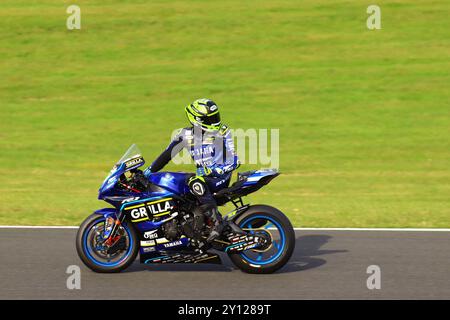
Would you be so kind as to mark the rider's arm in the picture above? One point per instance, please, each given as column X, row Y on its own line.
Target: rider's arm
column 175, row 146
column 230, row 159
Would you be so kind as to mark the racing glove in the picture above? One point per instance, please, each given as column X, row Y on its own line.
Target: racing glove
column 203, row 171
column 148, row 171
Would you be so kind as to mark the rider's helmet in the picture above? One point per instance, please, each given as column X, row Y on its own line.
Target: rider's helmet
column 204, row 113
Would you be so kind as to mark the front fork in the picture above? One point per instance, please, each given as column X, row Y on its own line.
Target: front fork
column 112, row 224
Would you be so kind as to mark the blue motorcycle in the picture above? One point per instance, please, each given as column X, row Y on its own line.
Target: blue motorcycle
column 157, row 217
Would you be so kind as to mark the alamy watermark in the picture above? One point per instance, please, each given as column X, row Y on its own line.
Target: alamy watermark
column 73, row 281
column 253, row 146
column 374, row 20
column 374, row 280
column 73, row 21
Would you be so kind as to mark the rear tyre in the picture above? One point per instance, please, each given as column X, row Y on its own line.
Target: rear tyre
column 267, row 220
column 89, row 248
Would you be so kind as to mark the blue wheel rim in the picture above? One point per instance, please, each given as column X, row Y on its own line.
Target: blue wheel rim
column 279, row 246
column 87, row 247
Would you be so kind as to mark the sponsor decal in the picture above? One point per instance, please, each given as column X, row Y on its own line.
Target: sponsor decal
column 133, row 162
column 172, row 244
column 221, row 181
column 148, row 249
column 139, row 213
column 130, row 199
column 144, row 211
column 148, row 243
column 206, row 150
column 151, row 234
column 162, row 240
column 242, row 243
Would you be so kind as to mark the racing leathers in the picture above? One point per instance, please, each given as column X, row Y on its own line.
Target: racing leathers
column 215, row 158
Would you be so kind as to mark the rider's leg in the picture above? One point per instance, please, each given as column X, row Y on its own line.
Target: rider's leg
column 199, row 188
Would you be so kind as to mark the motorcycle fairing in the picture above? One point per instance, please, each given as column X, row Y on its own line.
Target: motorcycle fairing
column 259, row 175
column 149, row 210
column 174, row 182
column 141, row 212
column 181, row 257
column 148, row 248
column 247, row 183
column 107, row 212
column 132, row 159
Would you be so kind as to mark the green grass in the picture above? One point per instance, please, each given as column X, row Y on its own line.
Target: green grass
column 364, row 116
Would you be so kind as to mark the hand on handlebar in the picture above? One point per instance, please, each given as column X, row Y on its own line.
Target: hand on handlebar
column 148, row 171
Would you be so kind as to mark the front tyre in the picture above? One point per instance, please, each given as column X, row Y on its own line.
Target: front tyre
column 96, row 256
column 272, row 223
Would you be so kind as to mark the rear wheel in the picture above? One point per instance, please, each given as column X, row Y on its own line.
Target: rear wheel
column 96, row 256
column 272, row 224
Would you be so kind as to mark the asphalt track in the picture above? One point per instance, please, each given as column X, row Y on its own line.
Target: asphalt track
column 325, row 265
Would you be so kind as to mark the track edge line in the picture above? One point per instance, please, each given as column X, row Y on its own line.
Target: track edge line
column 298, row 229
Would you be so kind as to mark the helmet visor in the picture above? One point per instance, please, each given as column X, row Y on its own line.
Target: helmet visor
column 213, row 119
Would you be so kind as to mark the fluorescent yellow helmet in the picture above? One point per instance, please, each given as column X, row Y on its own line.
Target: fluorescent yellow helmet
column 205, row 114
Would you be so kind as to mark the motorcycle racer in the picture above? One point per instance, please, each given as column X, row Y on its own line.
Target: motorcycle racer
column 210, row 144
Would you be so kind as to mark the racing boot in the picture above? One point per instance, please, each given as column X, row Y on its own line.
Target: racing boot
column 219, row 224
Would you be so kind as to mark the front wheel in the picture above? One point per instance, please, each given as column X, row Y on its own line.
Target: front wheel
column 271, row 223
column 99, row 258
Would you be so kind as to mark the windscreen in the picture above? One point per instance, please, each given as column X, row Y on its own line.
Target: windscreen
column 132, row 152
column 131, row 159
